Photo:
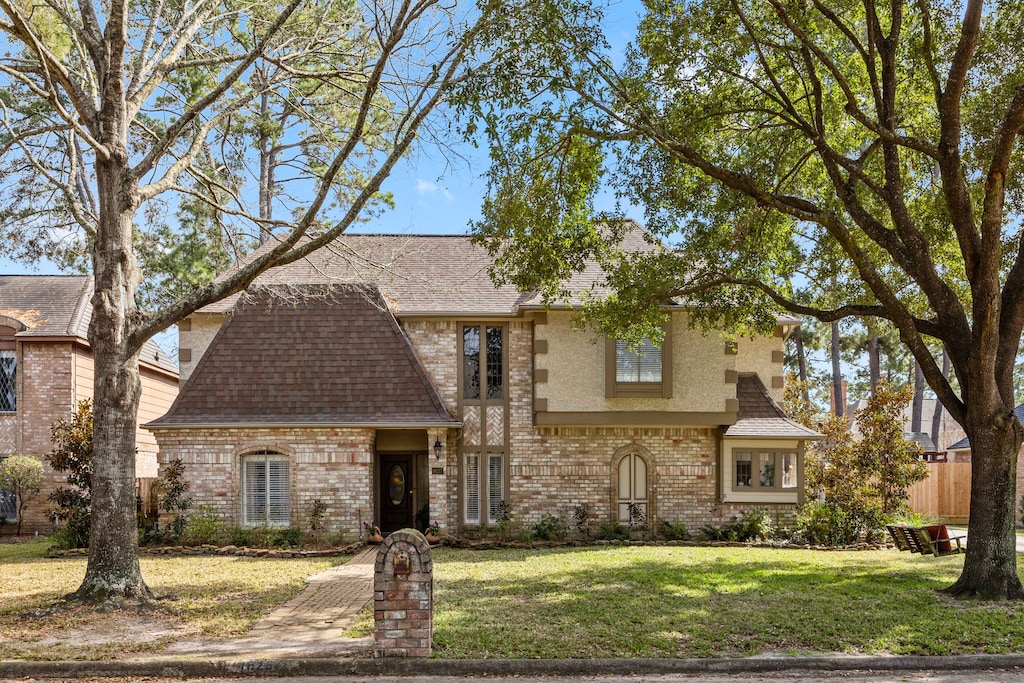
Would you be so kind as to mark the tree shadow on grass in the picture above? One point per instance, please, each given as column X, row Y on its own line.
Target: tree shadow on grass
column 682, row 602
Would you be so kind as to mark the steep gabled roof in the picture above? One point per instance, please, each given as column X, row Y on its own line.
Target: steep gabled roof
column 759, row 416
column 60, row 306
column 314, row 355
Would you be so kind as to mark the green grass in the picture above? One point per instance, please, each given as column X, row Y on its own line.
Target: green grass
column 219, row 596
column 706, row 602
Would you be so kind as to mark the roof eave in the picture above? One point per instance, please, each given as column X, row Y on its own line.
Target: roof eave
column 156, row 425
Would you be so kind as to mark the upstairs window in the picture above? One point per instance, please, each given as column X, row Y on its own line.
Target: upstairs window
column 641, row 371
column 642, row 364
column 8, row 381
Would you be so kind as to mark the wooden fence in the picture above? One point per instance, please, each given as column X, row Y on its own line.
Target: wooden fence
column 946, row 493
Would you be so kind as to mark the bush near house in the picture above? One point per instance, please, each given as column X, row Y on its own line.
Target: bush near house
column 22, row 476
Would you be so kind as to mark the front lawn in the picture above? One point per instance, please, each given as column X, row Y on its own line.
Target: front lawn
column 641, row 601
column 211, row 596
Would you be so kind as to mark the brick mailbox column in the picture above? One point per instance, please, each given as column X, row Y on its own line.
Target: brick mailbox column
column 403, row 596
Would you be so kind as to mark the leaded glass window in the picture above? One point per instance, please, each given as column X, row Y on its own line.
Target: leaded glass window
column 471, row 362
column 8, row 381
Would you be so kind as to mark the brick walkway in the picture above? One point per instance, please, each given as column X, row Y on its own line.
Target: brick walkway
column 312, row 623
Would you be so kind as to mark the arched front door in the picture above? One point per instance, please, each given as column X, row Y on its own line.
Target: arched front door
column 396, row 492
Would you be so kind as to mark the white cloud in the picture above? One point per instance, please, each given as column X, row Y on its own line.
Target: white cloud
column 424, row 187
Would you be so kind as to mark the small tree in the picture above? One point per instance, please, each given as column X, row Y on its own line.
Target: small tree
column 172, row 490
column 864, row 482
column 22, row 476
column 72, row 453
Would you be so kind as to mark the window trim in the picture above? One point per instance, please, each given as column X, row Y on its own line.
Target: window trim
column 755, row 470
column 5, row 349
column 662, row 389
column 266, row 456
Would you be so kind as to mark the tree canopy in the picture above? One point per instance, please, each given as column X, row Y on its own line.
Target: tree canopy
column 154, row 140
column 829, row 159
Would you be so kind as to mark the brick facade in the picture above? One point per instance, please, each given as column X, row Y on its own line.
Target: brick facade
column 333, row 465
column 53, row 376
column 548, row 469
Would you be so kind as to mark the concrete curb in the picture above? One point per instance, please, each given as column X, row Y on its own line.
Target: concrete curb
column 494, row 667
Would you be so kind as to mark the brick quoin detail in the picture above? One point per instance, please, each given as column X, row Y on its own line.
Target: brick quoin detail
column 403, row 602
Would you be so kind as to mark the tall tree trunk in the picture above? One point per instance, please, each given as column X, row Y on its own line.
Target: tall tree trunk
column 801, row 360
column 937, row 415
column 838, row 399
column 990, row 568
column 113, row 570
column 917, row 407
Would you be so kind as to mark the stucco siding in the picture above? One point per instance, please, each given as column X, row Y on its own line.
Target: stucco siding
column 575, row 366
column 756, row 355
column 195, row 340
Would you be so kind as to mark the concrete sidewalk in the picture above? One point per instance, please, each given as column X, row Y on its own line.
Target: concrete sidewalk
column 312, row 624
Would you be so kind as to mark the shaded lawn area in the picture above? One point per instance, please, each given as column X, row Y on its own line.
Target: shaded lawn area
column 214, row 596
column 641, row 601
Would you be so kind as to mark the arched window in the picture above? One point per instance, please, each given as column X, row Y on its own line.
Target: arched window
column 266, row 489
column 632, row 498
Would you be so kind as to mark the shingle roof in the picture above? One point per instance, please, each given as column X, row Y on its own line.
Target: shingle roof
column 315, row 355
column 417, row 274
column 60, row 306
column 965, row 443
column 759, row 416
column 927, row 445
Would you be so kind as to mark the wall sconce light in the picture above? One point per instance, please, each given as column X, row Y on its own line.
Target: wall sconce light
column 437, row 449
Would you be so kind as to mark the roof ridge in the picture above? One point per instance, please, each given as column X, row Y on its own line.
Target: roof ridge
column 77, row 317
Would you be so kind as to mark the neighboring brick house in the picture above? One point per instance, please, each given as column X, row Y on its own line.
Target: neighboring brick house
column 46, row 367
column 387, row 374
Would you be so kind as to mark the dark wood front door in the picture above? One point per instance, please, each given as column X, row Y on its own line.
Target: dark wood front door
column 396, row 488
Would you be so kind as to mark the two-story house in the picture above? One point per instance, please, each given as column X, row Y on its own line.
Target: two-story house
column 387, row 373
column 46, row 368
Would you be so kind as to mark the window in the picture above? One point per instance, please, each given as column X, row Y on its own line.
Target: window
column 495, row 486
column 484, row 411
column 472, row 480
column 493, row 379
column 266, row 490
column 631, row 500
column 642, row 364
column 643, row 371
column 8, row 381
column 776, row 470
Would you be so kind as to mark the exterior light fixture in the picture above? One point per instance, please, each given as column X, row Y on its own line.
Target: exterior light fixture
column 437, row 449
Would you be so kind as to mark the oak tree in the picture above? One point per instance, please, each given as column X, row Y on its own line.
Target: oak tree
column 776, row 146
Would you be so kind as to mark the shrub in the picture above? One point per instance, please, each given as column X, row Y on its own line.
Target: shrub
column 581, row 518
column 610, row 531
column 551, row 528
column 172, row 490
column 289, row 537
column 72, row 453
column 203, row 527
column 826, row 524
column 673, row 531
column 755, row 524
column 752, row 525
column 317, row 516
column 23, row 477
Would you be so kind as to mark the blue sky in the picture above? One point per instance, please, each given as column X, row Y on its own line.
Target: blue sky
column 436, row 191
